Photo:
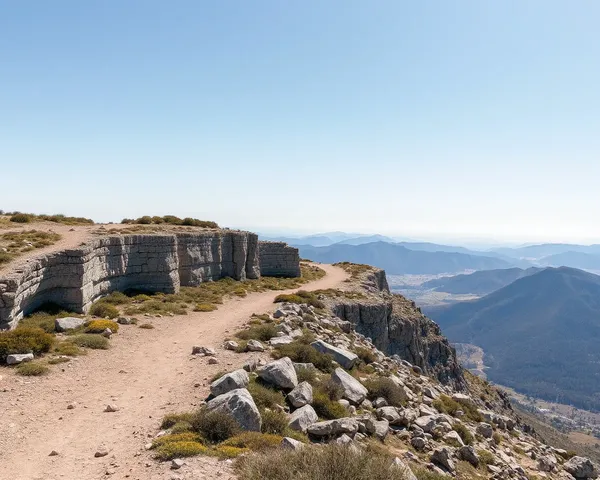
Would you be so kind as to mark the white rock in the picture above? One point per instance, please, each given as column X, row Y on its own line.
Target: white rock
column 303, row 418
column 240, row 405
column 280, row 373
column 354, row 391
column 230, row 381
column 301, row 395
column 68, row 323
column 345, row 358
column 16, row 358
column 291, row 444
column 255, row 346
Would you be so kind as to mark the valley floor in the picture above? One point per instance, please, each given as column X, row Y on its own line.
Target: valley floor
column 146, row 374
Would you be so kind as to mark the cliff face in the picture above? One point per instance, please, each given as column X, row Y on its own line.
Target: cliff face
column 278, row 259
column 74, row 279
column 397, row 327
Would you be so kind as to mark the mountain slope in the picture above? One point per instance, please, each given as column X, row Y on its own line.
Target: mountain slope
column 479, row 283
column 573, row 259
column 397, row 260
column 540, row 334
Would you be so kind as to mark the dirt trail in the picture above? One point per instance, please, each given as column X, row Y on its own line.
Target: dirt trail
column 146, row 373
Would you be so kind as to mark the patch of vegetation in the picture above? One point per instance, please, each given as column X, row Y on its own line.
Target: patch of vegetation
column 264, row 395
column 17, row 243
column 146, row 326
column 171, row 220
column 465, row 434
column 263, row 333
column 366, row 355
column 300, row 352
column 497, row 438
column 90, row 340
column 445, row 404
column 301, row 296
column 98, row 326
column 254, row 441
column 24, row 340
column 224, row 451
column 104, row 309
column 58, row 360
column 306, row 375
column 386, row 388
column 172, row 450
column 274, row 422
column 485, row 457
column 32, row 369
column 214, row 426
column 171, row 419
column 68, row 348
column 19, row 217
column 319, row 463
column 354, row 269
column 325, row 400
column 205, row 307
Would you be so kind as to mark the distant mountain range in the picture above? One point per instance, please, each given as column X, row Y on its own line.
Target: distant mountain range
column 397, row 259
column 547, row 249
column 478, row 283
column 540, row 334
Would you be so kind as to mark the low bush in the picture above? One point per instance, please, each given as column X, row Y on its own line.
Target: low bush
column 98, row 326
column 326, row 408
column 264, row 395
column 254, row 441
column 116, row 298
column 446, row 404
column 24, row 340
column 301, row 353
column 32, row 369
column 171, row 419
column 485, row 457
column 146, row 326
column 90, row 340
column 306, row 375
column 326, row 462
column 21, row 218
column 366, row 355
column 214, row 426
column 301, row 296
column 465, row 434
column 205, row 307
column 497, row 438
column 263, row 333
column 58, row 360
column 424, row 474
column 386, row 388
column 274, row 422
column 176, row 437
column 333, row 390
column 172, row 450
column 68, row 348
column 103, row 309
column 224, row 451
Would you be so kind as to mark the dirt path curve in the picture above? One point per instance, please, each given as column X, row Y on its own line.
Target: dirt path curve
column 146, row 373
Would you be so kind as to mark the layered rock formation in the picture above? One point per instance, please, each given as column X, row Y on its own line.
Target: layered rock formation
column 74, row 279
column 397, row 326
column 278, row 259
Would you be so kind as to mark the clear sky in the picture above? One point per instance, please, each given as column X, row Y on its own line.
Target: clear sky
column 417, row 118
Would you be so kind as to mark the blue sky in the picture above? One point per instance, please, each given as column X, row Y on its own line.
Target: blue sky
column 428, row 119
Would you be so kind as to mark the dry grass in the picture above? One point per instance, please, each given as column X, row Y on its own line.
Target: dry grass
column 32, row 369
column 18, row 243
column 354, row 269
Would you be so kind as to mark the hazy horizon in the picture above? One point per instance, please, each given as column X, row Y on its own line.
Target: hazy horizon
column 427, row 120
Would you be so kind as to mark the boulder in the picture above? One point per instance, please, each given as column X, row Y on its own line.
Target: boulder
column 239, row 404
column 207, row 351
column 345, row 358
column 291, row 444
column 581, row 468
column 464, row 399
column 68, row 323
column 454, row 439
column 280, row 373
column 333, row 427
column 354, row 391
column 547, row 463
column 404, row 468
column 301, row 395
column 231, row 345
column 443, row 457
column 380, row 402
column 124, row 321
column 378, row 428
column 390, row 414
column 283, row 340
column 230, row 381
column 16, row 358
column 419, row 443
column 426, row 423
column 485, row 430
column 468, row 454
column 255, row 346
column 303, row 418
column 302, row 367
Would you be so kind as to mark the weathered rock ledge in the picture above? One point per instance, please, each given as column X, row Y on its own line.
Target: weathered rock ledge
column 74, row 279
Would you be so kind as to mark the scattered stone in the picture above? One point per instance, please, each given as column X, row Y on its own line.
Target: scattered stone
column 53, row 453
column 124, row 321
column 546, row 463
column 301, row 395
column 454, row 439
column 240, row 405
column 291, row 444
column 101, row 452
column 231, row 345
column 581, row 468
column 230, row 381
column 107, row 333
column 380, row 402
column 111, row 408
column 280, row 373
column 419, row 443
column 255, row 346
column 468, row 454
column 71, row 406
column 303, row 418
column 345, row 358
column 333, row 427
column 213, row 361
column 485, row 430
column 177, row 463
column 302, row 367
column 209, row 352
column 283, row 340
column 68, row 323
column 17, row 358
column 390, row 414
column 377, row 428
column 443, row 457
column 354, row 391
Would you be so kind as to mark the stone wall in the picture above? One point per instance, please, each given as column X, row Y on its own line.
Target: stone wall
column 278, row 259
column 75, row 278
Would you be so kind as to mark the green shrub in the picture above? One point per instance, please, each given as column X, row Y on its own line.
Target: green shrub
column 68, row 348
column 176, row 437
column 497, row 438
column 223, row 451
column 424, row 474
column 89, row 340
column 333, row 390
column 214, row 426
column 32, row 369
column 328, row 462
column 306, row 375
column 205, row 307
column 326, row 408
column 274, row 422
column 386, row 388
column 181, row 427
column 171, row 419
column 116, row 298
column 146, row 326
column 465, row 434
column 172, row 450
column 300, row 297
column 446, row 404
column 20, row 218
column 263, row 333
column 103, row 309
column 254, row 441
column 24, row 340
column 39, row 320
column 366, row 355
column 264, row 395
column 485, row 457
column 299, row 352
column 98, row 326
column 57, row 360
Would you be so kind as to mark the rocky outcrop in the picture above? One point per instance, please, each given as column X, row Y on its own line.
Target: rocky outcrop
column 397, row 327
column 74, row 279
column 278, row 259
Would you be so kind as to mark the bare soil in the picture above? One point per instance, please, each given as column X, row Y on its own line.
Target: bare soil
column 146, row 373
